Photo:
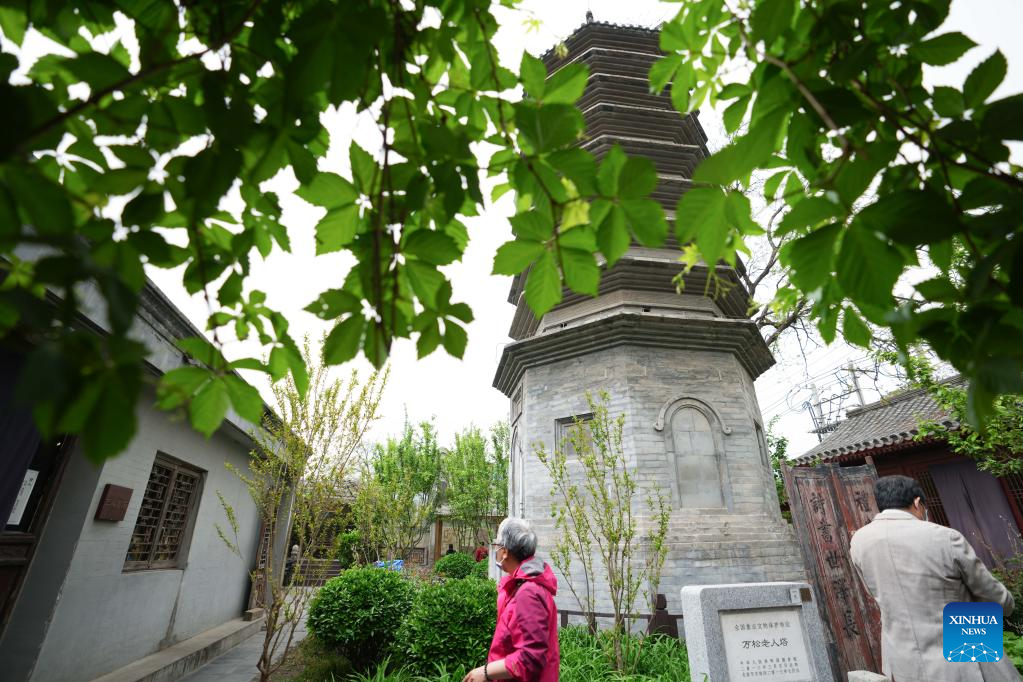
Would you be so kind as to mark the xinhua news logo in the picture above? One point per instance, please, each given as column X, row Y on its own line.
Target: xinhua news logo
column 972, row 632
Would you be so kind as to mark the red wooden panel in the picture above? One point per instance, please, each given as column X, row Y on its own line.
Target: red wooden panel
column 827, row 506
column 854, row 487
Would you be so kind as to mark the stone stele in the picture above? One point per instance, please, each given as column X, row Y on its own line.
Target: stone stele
column 754, row 631
column 679, row 365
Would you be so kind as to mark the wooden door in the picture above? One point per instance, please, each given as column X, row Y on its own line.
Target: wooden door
column 24, row 526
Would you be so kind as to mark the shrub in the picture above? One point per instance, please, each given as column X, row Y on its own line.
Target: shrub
column 450, row 625
column 479, row 569
column 359, row 612
column 1009, row 571
column 455, row 565
column 348, row 545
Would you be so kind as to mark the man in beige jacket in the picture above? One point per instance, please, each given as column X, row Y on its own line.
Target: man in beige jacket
column 913, row 568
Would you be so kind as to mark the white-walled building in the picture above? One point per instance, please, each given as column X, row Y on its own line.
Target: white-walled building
column 102, row 565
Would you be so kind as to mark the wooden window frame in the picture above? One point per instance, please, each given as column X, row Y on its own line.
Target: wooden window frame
column 1014, row 496
column 563, row 425
column 180, row 558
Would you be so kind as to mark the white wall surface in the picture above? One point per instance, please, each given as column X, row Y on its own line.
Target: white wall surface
column 106, row 617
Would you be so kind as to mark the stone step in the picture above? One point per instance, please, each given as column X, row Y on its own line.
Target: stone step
column 683, row 537
column 182, row 658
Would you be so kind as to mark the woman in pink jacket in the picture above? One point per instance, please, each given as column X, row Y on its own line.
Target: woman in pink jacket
column 525, row 644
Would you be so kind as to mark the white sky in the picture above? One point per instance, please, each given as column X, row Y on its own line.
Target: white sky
column 456, row 393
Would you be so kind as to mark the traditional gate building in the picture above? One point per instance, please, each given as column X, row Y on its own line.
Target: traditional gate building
column 679, row 366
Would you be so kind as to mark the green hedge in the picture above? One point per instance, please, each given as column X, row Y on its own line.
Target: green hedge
column 455, row 565
column 450, row 625
column 479, row 570
column 359, row 613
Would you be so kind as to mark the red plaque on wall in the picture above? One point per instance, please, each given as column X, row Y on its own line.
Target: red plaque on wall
column 113, row 503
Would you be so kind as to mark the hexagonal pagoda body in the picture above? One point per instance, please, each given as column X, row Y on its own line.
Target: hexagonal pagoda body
column 679, row 366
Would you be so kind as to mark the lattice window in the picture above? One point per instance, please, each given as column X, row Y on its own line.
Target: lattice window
column 562, row 432
column 931, row 497
column 165, row 517
column 1014, row 486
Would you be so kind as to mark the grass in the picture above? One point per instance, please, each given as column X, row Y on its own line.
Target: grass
column 310, row 661
column 1014, row 649
column 583, row 659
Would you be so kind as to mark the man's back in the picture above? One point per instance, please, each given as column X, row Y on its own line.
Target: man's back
column 913, row 568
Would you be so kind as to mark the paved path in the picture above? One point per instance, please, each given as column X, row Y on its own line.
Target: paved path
column 238, row 664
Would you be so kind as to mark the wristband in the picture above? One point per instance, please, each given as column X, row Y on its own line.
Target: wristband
column 486, row 675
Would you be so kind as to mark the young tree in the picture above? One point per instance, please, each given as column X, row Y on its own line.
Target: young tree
column 500, row 443
column 399, row 492
column 476, row 478
column 297, row 481
column 778, row 446
column 595, row 507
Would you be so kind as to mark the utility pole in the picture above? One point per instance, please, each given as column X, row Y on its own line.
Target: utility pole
column 856, row 383
column 813, row 406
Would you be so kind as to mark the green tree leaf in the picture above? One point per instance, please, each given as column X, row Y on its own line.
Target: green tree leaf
column 948, row 101
column 943, row 49
column 983, row 80
column 364, row 169
column 645, row 218
column 566, row 85
column 455, row 339
column 701, row 208
column 912, row 217
column 245, row 399
column 581, row 271
column 612, row 234
column 809, row 212
column 329, row 190
column 45, row 203
column 100, row 71
column 811, row 258
column 13, row 23
column 534, row 75
column 610, row 171
column 433, row 247
column 426, row 281
column 867, row 268
column 209, row 407
column 638, row 178
column 543, row 285
column 337, row 229
column 663, row 71
column 855, row 330
column 515, row 256
column 771, row 18
column 342, row 343
column 533, row 226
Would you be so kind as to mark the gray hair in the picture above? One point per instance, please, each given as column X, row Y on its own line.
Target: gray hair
column 517, row 536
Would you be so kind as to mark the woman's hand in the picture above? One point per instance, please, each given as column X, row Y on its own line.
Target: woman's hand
column 475, row 675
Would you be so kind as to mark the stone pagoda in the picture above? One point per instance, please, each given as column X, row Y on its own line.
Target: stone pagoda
column 679, row 366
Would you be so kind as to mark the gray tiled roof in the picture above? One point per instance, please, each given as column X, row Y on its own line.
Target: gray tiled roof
column 890, row 421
